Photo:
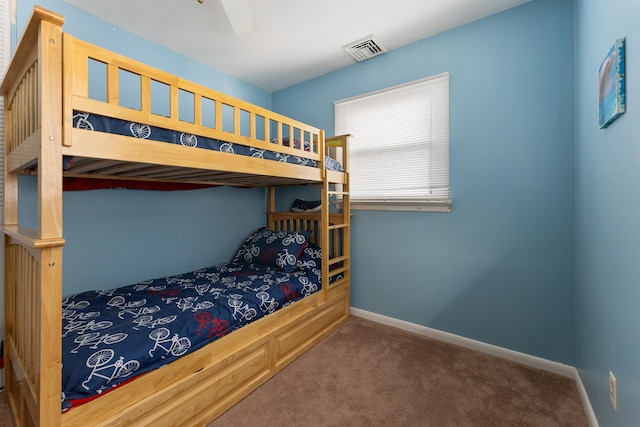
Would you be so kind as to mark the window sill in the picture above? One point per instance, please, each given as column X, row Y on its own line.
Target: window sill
column 409, row 207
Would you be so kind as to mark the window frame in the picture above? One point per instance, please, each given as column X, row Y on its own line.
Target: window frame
column 438, row 138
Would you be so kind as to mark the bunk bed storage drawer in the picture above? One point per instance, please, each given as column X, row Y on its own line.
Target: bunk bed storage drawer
column 211, row 390
column 298, row 338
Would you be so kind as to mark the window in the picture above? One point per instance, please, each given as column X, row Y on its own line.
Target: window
column 399, row 149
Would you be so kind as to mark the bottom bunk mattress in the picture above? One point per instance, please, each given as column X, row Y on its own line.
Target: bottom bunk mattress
column 112, row 336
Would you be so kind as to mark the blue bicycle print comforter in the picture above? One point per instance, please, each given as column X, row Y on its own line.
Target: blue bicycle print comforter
column 111, row 336
column 121, row 127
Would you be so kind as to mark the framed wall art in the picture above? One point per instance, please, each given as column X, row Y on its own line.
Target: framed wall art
column 611, row 85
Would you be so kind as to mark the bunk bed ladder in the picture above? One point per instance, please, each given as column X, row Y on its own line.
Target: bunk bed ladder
column 336, row 236
column 331, row 228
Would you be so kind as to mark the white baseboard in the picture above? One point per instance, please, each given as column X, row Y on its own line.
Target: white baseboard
column 504, row 353
column 586, row 403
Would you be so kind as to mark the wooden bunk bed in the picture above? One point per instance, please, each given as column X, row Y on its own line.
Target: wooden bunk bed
column 47, row 83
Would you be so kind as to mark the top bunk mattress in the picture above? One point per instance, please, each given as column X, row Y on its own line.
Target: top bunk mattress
column 99, row 123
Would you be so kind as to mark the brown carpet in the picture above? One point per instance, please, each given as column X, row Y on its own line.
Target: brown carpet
column 368, row 374
column 5, row 414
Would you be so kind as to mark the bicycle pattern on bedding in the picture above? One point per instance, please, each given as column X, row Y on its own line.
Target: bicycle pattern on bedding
column 112, row 336
column 93, row 122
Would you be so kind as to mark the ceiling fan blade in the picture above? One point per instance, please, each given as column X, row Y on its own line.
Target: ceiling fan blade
column 240, row 15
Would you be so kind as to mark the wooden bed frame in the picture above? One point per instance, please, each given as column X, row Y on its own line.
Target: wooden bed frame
column 46, row 82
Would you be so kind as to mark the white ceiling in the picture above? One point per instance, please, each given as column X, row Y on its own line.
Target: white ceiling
column 295, row 40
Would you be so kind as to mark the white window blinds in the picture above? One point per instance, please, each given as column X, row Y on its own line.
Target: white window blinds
column 399, row 150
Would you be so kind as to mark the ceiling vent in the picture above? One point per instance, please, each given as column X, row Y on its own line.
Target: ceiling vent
column 365, row 48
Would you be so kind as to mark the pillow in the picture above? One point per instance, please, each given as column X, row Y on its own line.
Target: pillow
column 239, row 255
column 310, row 258
column 279, row 249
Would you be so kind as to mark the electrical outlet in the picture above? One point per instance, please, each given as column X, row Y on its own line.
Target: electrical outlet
column 613, row 390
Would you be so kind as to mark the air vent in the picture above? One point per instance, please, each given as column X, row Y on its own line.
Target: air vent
column 365, row 48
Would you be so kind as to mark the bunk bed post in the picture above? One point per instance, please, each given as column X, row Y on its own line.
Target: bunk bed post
column 346, row 203
column 33, row 258
column 271, row 202
column 50, row 157
column 324, row 218
column 50, row 223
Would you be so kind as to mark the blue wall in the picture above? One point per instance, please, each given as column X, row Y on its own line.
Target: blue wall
column 101, row 33
column 143, row 234
column 118, row 237
column 499, row 267
column 607, row 216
